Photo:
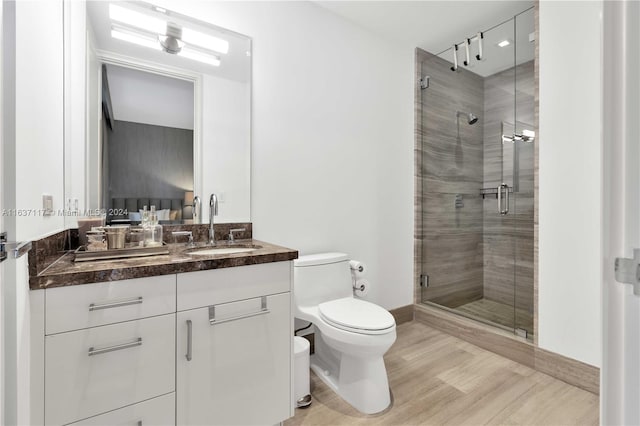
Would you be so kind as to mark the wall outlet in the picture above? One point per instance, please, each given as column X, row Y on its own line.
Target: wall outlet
column 47, row 204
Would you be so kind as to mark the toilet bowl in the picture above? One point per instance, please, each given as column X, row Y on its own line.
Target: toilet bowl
column 352, row 335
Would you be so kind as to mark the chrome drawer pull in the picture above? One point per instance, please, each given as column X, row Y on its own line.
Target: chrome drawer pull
column 189, row 339
column 263, row 310
column 97, row 307
column 94, row 351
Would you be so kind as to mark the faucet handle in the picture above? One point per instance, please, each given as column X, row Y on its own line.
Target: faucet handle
column 231, row 231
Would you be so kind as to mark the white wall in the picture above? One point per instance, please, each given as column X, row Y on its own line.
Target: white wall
column 39, row 118
column 74, row 100
column 570, row 215
column 332, row 143
column 226, row 148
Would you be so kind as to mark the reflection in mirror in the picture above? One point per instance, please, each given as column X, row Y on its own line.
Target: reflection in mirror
column 147, row 145
column 167, row 113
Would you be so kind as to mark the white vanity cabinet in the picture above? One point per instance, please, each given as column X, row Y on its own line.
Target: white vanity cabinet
column 107, row 346
column 210, row 347
column 234, row 346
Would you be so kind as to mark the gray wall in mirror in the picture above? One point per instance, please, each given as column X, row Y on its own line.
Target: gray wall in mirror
column 147, row 161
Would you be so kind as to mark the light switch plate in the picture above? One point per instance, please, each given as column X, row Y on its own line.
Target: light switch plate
column 47, row 204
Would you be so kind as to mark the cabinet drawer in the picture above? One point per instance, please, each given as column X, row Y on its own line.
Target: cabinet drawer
column 204, row 288
column 92, row 371
column 89, row 305
column 154, row 412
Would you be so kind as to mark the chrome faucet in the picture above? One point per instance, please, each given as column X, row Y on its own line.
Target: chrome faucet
column 213, row 211
column 197, row 209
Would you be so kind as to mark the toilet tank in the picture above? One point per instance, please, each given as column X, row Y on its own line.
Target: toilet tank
column 321, row 277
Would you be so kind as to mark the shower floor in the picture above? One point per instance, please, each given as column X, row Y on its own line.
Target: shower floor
column 498, row 313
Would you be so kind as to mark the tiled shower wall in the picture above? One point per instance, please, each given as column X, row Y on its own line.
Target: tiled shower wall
column 451, row 164
column 468, row 252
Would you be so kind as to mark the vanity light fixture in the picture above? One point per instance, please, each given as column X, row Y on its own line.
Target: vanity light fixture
column 144, row 30
column 206, row 41
column 504, row 43
column 171, row 42
column 133, row 37
column 137, row 19
column 196, row 55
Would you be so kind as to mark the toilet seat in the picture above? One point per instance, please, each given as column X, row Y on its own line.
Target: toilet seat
column 357, row 316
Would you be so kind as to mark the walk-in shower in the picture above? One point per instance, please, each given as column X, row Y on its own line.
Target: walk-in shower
column 475, row 181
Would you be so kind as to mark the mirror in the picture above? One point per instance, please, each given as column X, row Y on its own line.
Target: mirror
column 167, row 114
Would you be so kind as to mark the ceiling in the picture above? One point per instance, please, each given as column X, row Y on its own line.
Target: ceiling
column 436, row 25
column 141, row 97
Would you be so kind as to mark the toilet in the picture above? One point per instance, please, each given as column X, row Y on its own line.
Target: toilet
column 352, row 335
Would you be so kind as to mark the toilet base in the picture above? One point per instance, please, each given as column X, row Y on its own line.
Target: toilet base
column 362, row 382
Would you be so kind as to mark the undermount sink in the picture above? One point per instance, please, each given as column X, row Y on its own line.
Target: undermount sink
column 209, row 251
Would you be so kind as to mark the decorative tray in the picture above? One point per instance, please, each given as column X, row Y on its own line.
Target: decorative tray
column 82, row 255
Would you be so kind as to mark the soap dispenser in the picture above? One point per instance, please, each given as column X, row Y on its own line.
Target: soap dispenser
column 153, row 230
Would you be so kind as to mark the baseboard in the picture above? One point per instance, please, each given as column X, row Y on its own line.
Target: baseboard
column 568, row 370
column 403, row 314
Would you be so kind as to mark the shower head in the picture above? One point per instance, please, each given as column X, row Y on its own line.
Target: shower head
column 471, row 119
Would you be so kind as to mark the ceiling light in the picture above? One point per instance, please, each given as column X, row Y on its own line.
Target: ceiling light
column 172, row 42
column 137, row 19
column 504, row 43
column 135, row 38
column 528, row 133
column 199, row 56
column 160, row 9
column 205, row 41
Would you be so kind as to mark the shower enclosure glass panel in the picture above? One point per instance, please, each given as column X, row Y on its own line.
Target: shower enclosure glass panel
column 476, row 179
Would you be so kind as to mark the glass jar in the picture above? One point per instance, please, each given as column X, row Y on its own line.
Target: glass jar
column 152, row 230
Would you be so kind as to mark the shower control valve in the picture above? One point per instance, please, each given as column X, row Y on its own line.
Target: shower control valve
column 628, row 271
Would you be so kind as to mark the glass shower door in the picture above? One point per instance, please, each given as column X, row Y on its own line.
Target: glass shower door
column 524, row 164
column 476, row 180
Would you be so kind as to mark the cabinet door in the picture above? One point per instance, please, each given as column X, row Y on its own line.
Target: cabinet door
column 236, row 370
column 92, row 371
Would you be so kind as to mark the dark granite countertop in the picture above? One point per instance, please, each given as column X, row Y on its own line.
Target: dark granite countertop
column 63, row 271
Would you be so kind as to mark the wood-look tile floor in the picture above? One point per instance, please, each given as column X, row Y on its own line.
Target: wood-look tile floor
column 438, row 379
column 498, row 313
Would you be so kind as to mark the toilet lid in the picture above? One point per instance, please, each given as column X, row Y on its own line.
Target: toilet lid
column 356, row 315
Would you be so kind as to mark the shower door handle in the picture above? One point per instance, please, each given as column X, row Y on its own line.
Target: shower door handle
column 500, row 188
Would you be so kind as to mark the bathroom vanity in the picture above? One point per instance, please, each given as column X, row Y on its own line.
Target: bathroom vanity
column 172, row 339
